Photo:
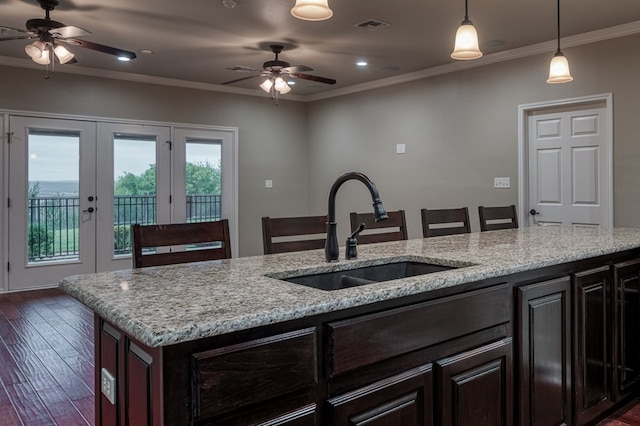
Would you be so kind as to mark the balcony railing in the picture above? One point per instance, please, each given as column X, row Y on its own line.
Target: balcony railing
column 54, row 222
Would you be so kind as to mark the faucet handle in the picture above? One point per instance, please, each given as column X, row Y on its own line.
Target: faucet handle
column 351, row 250
column 358, row 230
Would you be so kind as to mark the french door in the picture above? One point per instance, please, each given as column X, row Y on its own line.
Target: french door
column 75, row 187
column 52, row 195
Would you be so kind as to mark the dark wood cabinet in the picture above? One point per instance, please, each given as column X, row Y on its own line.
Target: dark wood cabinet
column 544, row 344
column 403, row 400
column 626, row 280
column 475, row 388
column 593, row 343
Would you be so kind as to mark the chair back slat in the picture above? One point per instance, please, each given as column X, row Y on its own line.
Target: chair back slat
column 396, row 220
column 180, row 234
column 447, row 221
column 501, row 217
column 293, row 233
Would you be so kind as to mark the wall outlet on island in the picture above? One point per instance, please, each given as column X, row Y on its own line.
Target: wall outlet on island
column 501, row 182
column 108, row 385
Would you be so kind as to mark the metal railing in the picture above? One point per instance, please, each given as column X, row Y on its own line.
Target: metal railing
column 53, row 222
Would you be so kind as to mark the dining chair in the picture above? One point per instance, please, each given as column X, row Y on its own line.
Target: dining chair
column 445, row 222
column 287, row 234
column 199, row 234
column 493, row 218
column 392, row 229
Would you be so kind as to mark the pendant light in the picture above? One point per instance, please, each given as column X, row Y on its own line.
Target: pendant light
column 275, row 86
column 466, row 46
column 559, row 67
column 312, row 10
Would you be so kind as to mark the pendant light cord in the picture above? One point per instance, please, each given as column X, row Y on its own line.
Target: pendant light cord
column 559, row 26
column 466, row 10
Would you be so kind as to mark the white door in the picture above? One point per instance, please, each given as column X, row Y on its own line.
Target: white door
column 52, row 200
column 569, row 168
column 134, row 169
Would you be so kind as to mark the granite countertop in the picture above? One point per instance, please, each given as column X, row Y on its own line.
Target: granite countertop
column 165, row 305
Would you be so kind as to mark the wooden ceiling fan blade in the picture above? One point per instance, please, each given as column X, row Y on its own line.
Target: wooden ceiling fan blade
column 297, row 69
column 68, row 32
column 120, row 53
column 22, row 37
column 241, row 79
column 242, row 68
column 313, row 78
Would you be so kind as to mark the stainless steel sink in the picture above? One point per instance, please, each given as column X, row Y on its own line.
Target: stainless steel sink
column 366, row 275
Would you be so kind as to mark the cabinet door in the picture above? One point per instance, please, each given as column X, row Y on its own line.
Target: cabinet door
column 401, row 400
column 544, row 329
column 627, row 324
column 592, row 350
column 475, row 388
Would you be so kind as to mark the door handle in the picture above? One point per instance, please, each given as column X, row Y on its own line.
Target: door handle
column 89, row 210
column 533, row 212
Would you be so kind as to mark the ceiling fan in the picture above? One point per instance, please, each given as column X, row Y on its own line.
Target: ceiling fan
column 51, row 35
column 277, row 72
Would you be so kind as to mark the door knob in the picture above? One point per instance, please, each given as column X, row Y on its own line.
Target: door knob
column 533, row 212
column 89, row 210
column 90, row 198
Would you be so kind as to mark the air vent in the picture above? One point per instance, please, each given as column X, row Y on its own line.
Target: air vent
column 372, row 25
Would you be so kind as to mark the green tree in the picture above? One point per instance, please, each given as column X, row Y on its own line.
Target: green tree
column 202, row 178
column 34, row 190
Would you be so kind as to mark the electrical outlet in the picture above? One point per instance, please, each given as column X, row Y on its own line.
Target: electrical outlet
column 401, row 148
column 501, row 182
column 268, row 183
column 108, row 385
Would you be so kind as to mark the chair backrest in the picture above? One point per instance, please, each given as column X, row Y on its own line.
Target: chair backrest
column 298, row 233
column 396, row 220
column 492, row 218
column 446, row 221
column 177, row 234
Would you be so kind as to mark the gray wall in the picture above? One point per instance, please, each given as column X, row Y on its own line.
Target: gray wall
column 461, row 130
column 272, row 140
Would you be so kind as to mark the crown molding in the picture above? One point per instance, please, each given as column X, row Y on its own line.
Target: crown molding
column 507, row 55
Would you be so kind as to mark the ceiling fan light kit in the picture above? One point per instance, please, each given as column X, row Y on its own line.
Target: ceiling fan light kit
column 312, row 10
column 50, row 34
column 559, row 66
column 466, row 45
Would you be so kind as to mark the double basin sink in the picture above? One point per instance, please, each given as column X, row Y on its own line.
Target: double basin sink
column 337, row 280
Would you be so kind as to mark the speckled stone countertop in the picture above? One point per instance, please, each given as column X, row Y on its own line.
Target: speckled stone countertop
column 165, row 305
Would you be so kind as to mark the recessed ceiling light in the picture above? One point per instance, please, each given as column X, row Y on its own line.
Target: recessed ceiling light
column 146, row 52
column 291, row 82
column 362, row 63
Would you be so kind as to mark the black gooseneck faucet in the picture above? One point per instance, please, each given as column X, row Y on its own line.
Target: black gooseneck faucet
column 331, row 253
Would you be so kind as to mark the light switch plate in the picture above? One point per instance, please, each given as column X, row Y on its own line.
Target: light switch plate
column 501, row 182
column 108, row 385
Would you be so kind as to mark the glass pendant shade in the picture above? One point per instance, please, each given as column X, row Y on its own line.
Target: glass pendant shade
column 63, row 54
column 312, row 10
column 281, row 86
column 35, row 49
column 559, row 69
column 266, row 85
column 466, row 45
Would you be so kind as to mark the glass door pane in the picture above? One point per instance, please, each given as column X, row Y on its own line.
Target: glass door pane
column 134, row 182
column 53, row 197
column 203, row 180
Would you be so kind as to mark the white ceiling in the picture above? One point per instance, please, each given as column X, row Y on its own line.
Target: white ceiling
column 195, row 40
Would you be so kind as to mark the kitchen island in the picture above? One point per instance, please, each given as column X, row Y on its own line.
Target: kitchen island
column 232, row 342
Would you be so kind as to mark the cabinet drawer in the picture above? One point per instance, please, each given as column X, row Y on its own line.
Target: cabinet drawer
column 235, row 376
column 372, row 338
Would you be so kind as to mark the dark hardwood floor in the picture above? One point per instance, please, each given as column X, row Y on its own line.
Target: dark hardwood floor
column 46, row 360
column 46, row 363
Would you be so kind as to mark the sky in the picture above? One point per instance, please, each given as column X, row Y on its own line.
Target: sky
column 56, row 157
